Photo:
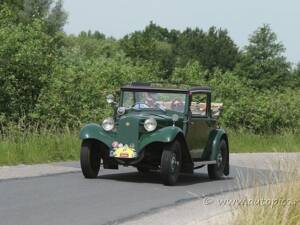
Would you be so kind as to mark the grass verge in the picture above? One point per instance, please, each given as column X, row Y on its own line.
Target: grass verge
column 41, row 146
column 242, row 142
column 50, row 145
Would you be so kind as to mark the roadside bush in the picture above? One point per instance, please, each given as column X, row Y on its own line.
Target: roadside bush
column 79, row 85
column 265, row 112
column 27, row 55
column 245, row 108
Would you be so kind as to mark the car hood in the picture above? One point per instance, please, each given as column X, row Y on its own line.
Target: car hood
column 130, row 127
column 162, row 119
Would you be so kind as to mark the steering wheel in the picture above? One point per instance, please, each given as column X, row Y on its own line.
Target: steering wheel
column 177, row 105
column 140, row 105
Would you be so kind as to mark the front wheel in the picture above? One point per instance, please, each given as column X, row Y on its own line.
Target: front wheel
column 89, row 159
column 216, row 171
column 170, row 163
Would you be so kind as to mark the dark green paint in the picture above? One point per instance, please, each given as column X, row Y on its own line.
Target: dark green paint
column 95, row 131
column 130, row 130
column 165, row 135
column 214, row 143
column 201, row 133
column 198, row 135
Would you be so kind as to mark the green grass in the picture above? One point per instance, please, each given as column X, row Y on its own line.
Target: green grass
column 241, row 142
column 38, row 147
column 49, row 145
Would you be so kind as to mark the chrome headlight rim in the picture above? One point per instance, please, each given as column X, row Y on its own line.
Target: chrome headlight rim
column 108, row 124
column 150, row 124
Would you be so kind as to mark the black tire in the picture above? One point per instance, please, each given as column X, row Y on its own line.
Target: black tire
column 90, row 159
column 170, row 163
column 216, row 171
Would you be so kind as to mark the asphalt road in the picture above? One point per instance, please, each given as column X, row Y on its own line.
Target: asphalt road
column 115, row 197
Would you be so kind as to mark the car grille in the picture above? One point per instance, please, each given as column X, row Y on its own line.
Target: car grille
column 128, row 131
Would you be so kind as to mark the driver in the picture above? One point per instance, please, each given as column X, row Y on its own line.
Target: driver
column 150, row 99
column 177, row 105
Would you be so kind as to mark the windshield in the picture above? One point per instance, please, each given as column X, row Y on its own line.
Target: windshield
column 154, row 100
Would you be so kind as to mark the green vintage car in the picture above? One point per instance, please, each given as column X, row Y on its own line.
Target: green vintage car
column 172, row 130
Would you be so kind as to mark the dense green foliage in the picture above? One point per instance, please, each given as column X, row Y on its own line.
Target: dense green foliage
column 49, row 11
column 263, row 62
column 27, row 56
column 50, row 79
column 170, row 49
column 80, row 83
column 51, row 82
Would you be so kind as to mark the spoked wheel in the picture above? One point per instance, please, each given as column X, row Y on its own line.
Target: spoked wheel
column 90, row 159
column 171, row 163
column 216, row 171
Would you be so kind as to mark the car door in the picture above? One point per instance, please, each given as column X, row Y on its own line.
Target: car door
column 199, row 124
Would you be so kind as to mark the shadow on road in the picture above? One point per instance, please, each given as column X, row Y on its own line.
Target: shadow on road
column 244, row 177
column 154, row 177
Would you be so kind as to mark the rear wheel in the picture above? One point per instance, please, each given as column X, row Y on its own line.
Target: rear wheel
column 216, row 171
column 171, row 163
column 89, row 159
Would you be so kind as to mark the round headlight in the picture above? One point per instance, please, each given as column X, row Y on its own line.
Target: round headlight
column 108, row 124
column 150, row 124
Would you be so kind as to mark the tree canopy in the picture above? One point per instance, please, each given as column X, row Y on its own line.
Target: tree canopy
column 51, row 12
column 263, row 62
column 48, row 77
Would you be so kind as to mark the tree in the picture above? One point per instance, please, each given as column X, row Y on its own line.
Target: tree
column 56, row 18
column 295, row 80
column 93, row 46
column 151, row 44
column 263, row 62
column 49, row 11
column 27, row 55
column 211, row 49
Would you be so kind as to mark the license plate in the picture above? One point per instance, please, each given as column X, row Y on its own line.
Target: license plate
column 124, row 155
column 124, row 152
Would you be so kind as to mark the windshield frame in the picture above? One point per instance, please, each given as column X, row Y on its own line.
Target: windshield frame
column 171, row 91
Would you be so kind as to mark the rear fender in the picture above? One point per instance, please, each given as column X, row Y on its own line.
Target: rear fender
column 215, row 138
column 214, row 144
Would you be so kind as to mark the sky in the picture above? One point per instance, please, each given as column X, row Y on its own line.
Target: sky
column 120, row 17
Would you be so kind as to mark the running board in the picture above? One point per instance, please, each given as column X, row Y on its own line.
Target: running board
column 200, row 164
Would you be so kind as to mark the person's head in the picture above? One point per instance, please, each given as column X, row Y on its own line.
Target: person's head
column 177, row 105
column 150, row 98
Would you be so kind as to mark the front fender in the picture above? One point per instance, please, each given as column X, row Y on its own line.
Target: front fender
column 165, row 135
column 95, row 131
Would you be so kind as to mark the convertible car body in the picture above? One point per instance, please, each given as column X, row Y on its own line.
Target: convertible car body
column 173, row 130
